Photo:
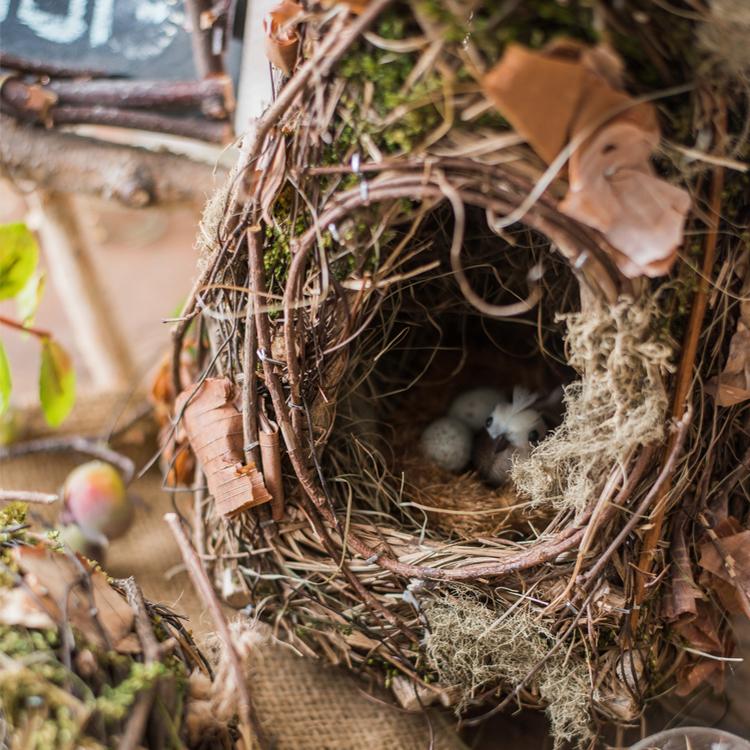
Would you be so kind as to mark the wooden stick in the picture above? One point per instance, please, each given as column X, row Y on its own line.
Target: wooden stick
column 68, row 163
column 125, row 93
column 23, row 496
column 187, row 127
column 88, row 446
column 248, row 720
column 136, row 725
column 27, row 65
column 209, row 61
column 98, row 338
column 682, row 389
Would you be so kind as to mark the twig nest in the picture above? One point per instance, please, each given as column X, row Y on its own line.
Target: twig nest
column 474, row 406
column 447, row 441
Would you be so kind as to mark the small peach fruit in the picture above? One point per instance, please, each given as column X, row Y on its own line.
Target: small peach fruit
column 95, row 499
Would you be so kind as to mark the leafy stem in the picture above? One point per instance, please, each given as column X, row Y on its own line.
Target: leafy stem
column 38, row 332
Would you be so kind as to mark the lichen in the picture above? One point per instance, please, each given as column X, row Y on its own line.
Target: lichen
column 474, row 647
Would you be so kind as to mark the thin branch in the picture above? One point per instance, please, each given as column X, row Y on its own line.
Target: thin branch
column 23, row 496
column 17, row 325
column 126, row 93
column 187, row 127
column 136, row 177
column 205, row 590
column 136, row 725
column 88, row 446
column 42, row 67
column 685, row 377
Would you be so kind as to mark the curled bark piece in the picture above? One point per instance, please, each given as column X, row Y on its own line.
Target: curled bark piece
column 270, row 456
column 568, row 92
column 213, row 426
column 282, row 39
column 732, row 385
column 614, row 189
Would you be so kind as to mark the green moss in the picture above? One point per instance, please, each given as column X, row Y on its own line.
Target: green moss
column 533, row 23
column 12, row 533
column 388, row 72
column 115, row 701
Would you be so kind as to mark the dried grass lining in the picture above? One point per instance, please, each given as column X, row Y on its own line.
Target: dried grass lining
column 309, row 263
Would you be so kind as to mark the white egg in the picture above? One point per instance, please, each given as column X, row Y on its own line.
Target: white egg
column 447, row 441
column 474, row 406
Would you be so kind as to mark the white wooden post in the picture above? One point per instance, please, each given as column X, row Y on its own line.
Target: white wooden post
column 98, row 338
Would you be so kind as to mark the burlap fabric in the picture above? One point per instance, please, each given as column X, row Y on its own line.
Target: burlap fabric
column 304, row 704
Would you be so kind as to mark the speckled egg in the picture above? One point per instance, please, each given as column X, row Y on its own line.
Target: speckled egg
column 447, row 442
column 474, row 406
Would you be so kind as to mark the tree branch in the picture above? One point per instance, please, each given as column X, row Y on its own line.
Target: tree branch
column 136, row 177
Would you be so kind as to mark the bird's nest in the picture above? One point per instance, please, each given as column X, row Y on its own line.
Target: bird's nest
column 387, row 241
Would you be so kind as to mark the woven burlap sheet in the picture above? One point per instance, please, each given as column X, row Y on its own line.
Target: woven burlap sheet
column 303, row 703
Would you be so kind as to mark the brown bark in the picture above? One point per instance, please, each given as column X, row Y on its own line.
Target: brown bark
column 123, row 93
column 187, row 127
column 209, row 62
column 42, row 104
column 136, row 177
column 40, row 67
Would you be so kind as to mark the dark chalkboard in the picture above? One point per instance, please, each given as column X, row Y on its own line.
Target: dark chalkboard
column 145, row 39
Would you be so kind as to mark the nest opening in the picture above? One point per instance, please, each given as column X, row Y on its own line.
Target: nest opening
column 427, row 344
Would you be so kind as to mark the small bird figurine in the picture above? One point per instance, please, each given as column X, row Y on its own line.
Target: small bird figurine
column 474, row 406
column 511, row 430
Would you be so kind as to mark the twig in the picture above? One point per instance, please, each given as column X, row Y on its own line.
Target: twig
column 137, row 177
column 209, row 42
column 88, row 446
column 38, row 332
column 675, row 452
column 23, row 496
column 208, row 61
column 684, row 379
column 187, row 127
column 126, row 93
column 248, row 720
column 136, row 725
column 27, row 65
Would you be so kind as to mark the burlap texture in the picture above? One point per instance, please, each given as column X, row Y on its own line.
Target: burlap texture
column 303, row 703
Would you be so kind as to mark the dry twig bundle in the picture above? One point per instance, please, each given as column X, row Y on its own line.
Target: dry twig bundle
column 85, row 661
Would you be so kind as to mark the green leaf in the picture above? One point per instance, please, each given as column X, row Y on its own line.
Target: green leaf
column 5, row 381
column 57, row 383
column 28, row 299
column 19, row 255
